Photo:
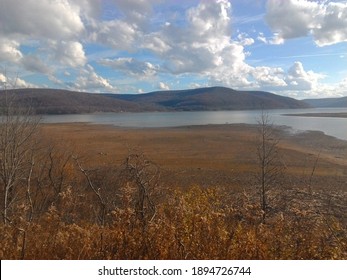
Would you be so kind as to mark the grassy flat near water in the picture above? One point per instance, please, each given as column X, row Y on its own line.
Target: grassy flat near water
column 210, row 155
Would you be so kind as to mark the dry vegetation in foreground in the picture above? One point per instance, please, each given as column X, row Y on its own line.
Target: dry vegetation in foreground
column 93, row 192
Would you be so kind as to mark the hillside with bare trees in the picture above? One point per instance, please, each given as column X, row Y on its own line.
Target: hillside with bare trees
column 53, row 101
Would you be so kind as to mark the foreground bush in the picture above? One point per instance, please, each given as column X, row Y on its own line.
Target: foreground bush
column 194, row 224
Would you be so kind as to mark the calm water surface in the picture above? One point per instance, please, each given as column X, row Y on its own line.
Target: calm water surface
column 336, row 127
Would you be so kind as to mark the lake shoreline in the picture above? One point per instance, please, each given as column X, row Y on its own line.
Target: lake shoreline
column 330, row 126
column 320, row 115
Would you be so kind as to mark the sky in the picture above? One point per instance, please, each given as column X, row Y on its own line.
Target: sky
column 295, row 48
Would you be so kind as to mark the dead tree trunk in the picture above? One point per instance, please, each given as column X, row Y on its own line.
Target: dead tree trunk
column 269, row 164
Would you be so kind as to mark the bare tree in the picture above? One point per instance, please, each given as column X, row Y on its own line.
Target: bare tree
column 269, row 164
column 17, row 129
column 97, row 191
column 144, row 174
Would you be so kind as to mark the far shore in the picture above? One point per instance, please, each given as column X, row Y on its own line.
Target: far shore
column 324, row 115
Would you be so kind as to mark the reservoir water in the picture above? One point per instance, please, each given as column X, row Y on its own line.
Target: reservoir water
column 332, row 126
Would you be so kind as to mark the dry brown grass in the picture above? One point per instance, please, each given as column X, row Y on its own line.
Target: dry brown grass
column 206, row 201
column 196, row 224
column 207, row 155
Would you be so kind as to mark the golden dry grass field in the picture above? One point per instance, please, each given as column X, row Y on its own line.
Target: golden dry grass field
column 208, row 155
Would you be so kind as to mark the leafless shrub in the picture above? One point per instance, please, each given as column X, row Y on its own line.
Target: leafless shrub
column 142, row 176
column 270, row 166
column 18, row 127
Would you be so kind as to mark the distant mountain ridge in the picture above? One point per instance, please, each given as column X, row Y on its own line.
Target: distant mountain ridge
column 213, row 98
column 56, row 101
column 340, row 102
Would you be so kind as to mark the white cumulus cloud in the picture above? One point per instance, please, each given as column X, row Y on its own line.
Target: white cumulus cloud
column 3, row 78
column 117, row 34
column 70, row 54
column 131, row 66
column 89, row 80
column 325, row 21
column 7, row 82
column 294, row 81
column 40, row 19
column 245, row 40
column 299, row 79
column 267, row 77
column 9, row 50
column 202, row 45
column 164, row 86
